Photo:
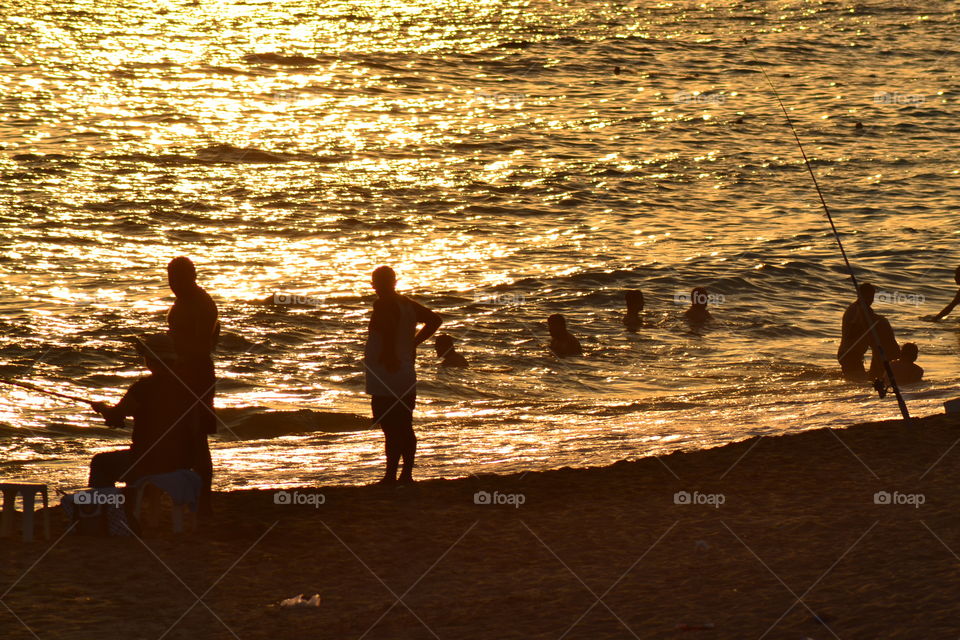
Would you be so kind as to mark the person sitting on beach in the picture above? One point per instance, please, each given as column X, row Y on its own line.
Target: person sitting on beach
column 953, row 303
column 859, row 325
column 562, row 342
column 697, row 313
column 905, row 368
column 445, row 350
column 389, row 363
column 634, row 300
column 164, row 437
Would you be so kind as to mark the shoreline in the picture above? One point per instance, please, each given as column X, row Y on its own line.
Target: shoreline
column 764, row 521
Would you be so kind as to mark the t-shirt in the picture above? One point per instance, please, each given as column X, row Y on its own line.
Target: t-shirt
column 403, row 380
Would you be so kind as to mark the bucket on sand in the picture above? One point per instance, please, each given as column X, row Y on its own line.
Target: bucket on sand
column 952, row 406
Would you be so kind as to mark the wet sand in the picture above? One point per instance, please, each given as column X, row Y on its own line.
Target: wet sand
column 787, row 541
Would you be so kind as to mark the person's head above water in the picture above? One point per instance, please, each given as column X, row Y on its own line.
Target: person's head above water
column 384, row 280
column 698, row 297
column 909, row 352
column 443, row 344
column 557, row 325
column 867, row 292
column 181, row 275
column 634, row 300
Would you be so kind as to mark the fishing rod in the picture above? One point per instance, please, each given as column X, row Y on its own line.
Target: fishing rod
column 31, row 387
column 853, row 277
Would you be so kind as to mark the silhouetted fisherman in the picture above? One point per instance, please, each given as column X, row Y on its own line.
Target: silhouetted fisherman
column 389, row 363
column 858, row 326
column 195, row 331
column 445, row 349
column 562, row 342
column 165, row 436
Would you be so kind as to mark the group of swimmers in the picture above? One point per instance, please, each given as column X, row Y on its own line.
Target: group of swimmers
column 173, row 411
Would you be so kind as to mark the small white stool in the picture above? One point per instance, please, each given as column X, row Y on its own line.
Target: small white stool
column 28, row 491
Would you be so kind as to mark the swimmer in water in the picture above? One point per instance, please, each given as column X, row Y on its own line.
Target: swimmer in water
column 445, row 350
column 634, row 299
column 562, row 342
column 697, row 313
column 905, row 368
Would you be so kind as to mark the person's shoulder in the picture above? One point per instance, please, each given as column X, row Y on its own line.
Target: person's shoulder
column 205, row 297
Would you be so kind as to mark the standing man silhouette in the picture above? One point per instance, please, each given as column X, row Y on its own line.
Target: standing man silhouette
column 195, row 329
column 389, row 365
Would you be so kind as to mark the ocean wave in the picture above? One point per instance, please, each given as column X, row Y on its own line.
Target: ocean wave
column 258, row 424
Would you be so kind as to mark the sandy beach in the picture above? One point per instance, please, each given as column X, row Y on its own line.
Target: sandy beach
column 782, row 537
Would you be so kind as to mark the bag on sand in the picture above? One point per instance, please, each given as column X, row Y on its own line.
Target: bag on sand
column 96, row 512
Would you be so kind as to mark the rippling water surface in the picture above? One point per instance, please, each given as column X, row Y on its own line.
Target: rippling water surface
column 511, row 160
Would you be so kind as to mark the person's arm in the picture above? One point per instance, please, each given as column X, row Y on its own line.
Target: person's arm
column 950, row 307
column 114, row 416
column 431, row 322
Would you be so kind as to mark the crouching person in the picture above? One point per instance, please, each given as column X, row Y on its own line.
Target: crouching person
column 165, row 435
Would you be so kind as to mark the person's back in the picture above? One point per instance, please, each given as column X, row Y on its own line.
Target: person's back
column 855, row 334
column 388, row 356
column 164, row 431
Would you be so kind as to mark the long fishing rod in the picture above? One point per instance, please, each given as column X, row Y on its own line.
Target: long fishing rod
column 31, row 387
column 853, row 278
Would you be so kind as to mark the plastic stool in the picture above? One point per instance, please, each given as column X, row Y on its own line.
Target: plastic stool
column 177, row 511
column 28, row 491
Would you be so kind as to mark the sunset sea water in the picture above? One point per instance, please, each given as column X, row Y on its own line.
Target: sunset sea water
column 510, row 160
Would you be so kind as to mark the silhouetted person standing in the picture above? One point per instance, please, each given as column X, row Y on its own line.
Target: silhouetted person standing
column 195, row 329
column 389, row 363
column 562, row 342
column 953, row 303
